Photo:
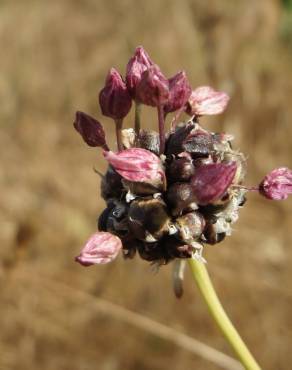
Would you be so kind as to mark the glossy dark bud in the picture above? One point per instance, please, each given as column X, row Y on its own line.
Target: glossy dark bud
column 149, row 140
column 148, row 219
column 179, row 92
column 181, row 198
column 175, row 248
column 211, row 236
column 114, row 98
column 111, row 184
column 174, row 144
column 181, row 169
column 90, row 129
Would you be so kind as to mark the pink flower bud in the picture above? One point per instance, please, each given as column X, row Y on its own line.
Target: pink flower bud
column 101, row 247
column 114, row 99
column 211, row 181
column 277, row 185
column 205, row 100
column 153, row 88
column 179, row 92
column 137, row 164
column 139, row 62
column 90, row 129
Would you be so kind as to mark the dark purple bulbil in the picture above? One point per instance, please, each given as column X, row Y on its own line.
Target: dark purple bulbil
column 90, row 129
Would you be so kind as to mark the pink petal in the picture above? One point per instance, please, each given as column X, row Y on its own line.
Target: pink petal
column 277, row 185
column 206, row 101
column 101, row 247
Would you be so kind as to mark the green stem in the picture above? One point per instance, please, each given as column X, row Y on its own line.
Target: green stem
column 138, row 107
column 201, row 276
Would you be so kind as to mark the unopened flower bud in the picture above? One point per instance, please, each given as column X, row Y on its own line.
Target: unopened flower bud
column 179, row 92
column 90, row 129
column 211, row 181
column 101, row 247
column 153, row 89
column 181, row 169
column 277, row 185
column 148, row 219
column 138, row 165
column 205, row 100
column 114, row 98
column 139, row 62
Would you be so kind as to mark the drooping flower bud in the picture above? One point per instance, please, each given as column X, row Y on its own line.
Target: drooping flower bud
column 114, row 98
column 139, row 62
column 179, row 92
column 211, row 181
column 138, row 165
column 90, row 129
column 205, row 100
column 101, row 247
column 153, row 88
column 277, row 185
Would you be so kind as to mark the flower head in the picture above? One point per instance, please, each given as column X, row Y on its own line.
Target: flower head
column 90, row 129
column 179, row 92
column 139, row 62
column 277, row 185
column 206, row 101
column 114, row 98
column 100, row 248
column 153, row 88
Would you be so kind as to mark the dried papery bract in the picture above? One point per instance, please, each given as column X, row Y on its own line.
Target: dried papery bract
column 90, row 129
column 206, row 101
column 277, row 185
column 101, row 247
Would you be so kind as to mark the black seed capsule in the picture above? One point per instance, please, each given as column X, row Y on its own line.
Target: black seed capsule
column 180, row 198
column 148, row 219
column 211, row 236
column 180, row 169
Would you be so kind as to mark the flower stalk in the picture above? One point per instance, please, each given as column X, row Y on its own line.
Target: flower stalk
column 161, row 128
column 138, row 108
column 119, row 125
column 201, row 276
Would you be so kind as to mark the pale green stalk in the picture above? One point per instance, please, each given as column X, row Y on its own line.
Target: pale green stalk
column 201, row 276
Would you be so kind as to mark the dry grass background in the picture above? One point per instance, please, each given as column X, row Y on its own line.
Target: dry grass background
column 54, row 56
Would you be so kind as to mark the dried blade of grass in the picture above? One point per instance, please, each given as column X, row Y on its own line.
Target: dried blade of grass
column 144, row 323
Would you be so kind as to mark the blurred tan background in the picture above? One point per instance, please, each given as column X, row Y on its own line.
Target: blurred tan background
column 54, row 57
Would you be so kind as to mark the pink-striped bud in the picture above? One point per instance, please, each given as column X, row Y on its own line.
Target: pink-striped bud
column 101, row 248
column 153, row 88
column 90, row 129
column 114, row 98
column 277, row 185
column 139, row 62
column 205, row 100
column 211, row 181
column 179, row 92
column 137, row 165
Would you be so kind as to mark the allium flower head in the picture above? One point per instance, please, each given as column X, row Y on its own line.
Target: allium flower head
column 139, row 62
column 206, row 101
column 277, row 185
column 101, row 248
column 167, row 194
column 114, row 98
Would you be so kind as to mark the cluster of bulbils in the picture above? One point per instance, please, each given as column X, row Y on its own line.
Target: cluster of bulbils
column 167, row 193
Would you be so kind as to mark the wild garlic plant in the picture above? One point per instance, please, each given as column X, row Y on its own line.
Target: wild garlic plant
column 168, row 193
